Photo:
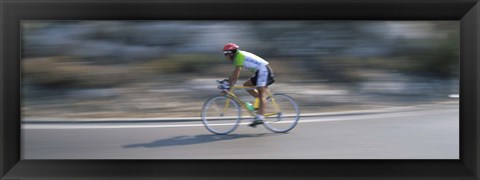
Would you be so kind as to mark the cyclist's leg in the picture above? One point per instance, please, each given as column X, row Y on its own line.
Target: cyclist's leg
column 260, row 80
column 252, row 92
column 261, row 83
column 263, row 100
column 260, row 116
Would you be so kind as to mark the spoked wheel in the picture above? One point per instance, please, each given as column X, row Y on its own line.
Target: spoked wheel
column 221, row 115
column 282, row 113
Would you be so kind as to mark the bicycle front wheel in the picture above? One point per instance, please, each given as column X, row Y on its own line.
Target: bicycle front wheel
column 221, row 115
column 281, row 114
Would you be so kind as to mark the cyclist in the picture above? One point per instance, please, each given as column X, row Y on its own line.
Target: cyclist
column 262, row 78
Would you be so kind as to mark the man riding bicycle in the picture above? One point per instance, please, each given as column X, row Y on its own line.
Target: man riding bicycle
column 262, row 78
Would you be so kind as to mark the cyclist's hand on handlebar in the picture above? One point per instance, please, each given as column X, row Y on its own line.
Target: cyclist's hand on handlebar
column 224, row 85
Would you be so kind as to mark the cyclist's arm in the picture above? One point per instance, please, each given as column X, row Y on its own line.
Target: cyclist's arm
column 235, row 74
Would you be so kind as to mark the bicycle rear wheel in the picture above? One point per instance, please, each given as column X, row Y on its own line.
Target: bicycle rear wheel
column 281, row 114
column 221, row 115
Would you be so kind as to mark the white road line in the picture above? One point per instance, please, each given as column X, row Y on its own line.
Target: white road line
column 77, row 126
column 454, row 96
column 383, row 110
column 308, row 120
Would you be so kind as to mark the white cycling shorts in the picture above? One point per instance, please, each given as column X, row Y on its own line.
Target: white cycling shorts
column 262, row 76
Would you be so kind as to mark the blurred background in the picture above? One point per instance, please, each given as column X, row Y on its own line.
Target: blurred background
column 121, row 69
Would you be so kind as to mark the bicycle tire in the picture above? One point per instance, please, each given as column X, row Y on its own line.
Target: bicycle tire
column 226, row 117
column 286, row 119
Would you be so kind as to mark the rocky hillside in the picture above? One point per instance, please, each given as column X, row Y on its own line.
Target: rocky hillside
column 167, row 68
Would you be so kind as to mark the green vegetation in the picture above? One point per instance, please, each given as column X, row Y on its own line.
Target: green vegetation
column 188, row 63
column 441, row 60
column 93, row 54
column 71, row 72
column 338, row 69
column 74, row 72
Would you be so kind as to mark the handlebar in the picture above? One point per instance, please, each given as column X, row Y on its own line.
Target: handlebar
column 224, row 85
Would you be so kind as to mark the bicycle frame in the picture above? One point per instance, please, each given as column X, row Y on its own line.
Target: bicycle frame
column 242, row 103
column 227, row 109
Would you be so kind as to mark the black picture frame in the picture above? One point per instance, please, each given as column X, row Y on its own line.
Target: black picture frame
column 12, row 12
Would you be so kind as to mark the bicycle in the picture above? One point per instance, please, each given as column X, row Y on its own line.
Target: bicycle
column 281, row 113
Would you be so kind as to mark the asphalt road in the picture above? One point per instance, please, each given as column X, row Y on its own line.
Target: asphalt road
column 430, row 132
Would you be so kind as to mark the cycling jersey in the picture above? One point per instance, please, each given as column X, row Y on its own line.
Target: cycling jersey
column 249, row 61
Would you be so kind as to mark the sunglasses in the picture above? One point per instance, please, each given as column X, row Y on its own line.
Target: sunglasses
column 227, row 52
